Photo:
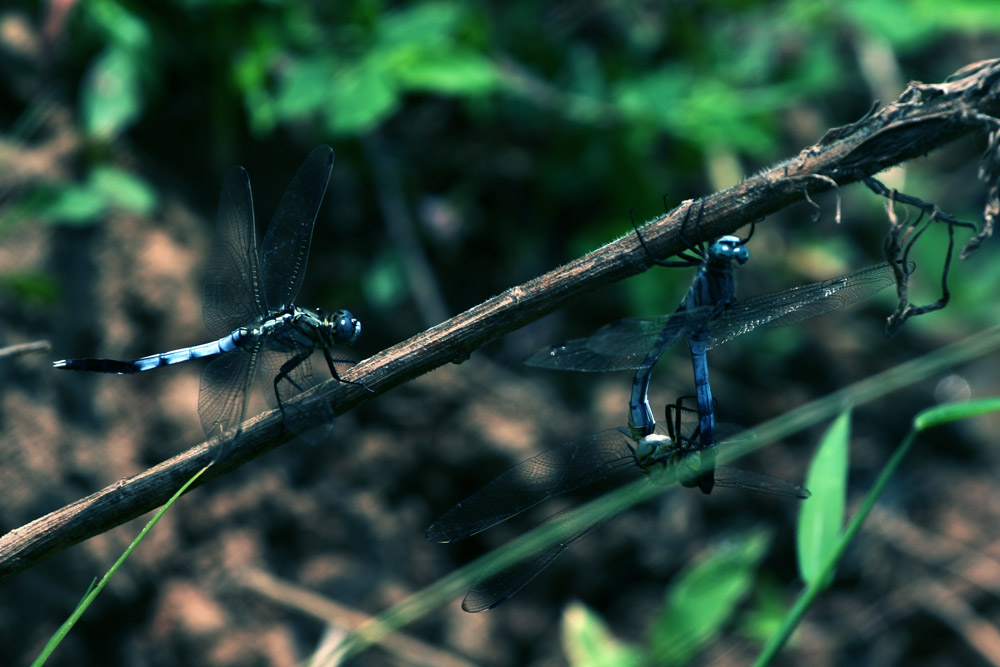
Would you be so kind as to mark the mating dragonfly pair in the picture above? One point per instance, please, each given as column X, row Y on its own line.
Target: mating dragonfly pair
column 662, row 456
column 248, row 305
column 709, row 316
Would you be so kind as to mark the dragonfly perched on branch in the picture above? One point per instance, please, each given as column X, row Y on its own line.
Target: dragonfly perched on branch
column 710, row 315
column 248, row 305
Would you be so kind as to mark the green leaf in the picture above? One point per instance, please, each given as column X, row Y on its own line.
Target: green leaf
column 30, row 287
column 767, row 610
column 361, row 96
column 429, row 22
column 821, row 519
column 123, row 189
column 949, row 412
column 588, row 642
column 305, row 86
column 74, row 205
column 925, row 20
column 84, row 203
column 119, row 25
column 451, row 72
column 705, row 597
column 110, row 98
column 657, row 97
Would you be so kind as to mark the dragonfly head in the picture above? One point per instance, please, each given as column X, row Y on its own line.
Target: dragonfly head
column 728, row 248
column 652, row 448
column 657, row 455
column 344, row 327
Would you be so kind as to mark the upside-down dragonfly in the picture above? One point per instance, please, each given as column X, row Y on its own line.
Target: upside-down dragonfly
column 709, row 316
column 572, row 465
column 247, row 305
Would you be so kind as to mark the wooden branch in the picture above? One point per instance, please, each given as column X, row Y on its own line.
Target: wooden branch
column 926, row 116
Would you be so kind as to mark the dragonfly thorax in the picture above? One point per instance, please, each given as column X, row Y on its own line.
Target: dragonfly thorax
column 293, row 326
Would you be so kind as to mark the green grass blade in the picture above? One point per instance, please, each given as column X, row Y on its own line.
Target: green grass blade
column 867, row 390
column 931, row 417
column 821, row 517
column 949, row 412
column 448, row 588
column 94, row 591
column 453, row 586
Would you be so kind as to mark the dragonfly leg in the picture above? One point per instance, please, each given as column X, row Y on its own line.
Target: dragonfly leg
column 284, row 374
column 753, row 226
column 330, row 361
column 692, row 256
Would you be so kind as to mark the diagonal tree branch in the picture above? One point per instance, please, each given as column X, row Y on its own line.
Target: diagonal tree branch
column 925, row 117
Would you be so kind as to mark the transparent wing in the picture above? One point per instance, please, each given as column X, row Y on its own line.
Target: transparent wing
column 299, row 379
column 285, row 248
column 558, row 470
column 758, row 481
column 222, row 400
column 493, row 588
column 623, row 344
column 628, row 343
column 799, row 303
column 231, row 297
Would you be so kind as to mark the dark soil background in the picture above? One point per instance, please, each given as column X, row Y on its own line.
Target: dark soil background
column 490, row 189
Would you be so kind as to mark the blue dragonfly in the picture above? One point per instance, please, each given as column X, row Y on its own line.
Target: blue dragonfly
column 614, row 453
column 247, row 305
column 709, row 316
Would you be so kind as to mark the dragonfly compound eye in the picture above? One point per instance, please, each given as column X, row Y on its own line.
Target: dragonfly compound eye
column 346, row 328
column 730, row 247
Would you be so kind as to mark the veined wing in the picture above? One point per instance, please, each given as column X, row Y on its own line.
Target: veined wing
column 285, row 249
column 799, row 303
column 299, row 379
column 558, row 470
column 494, row 588
column 222, row 400
column 757, row 481
column 623, row 344
column 231, row 296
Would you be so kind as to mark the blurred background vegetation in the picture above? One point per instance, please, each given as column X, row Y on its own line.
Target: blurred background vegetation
column 477, row 146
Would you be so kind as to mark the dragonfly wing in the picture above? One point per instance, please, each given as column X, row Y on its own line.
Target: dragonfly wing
column 558, row 470
column 222, row 399
column 297, row 380
column 494, row 588
column 799, row 303
column 231, row 297
column 621, row 345
column 285, row 248
column 758, row 481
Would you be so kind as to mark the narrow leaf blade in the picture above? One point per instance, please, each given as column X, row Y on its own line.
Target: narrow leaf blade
column 822, row 517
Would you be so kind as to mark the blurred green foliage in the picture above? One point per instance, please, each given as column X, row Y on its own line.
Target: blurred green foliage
column 525, row 133
column 555, row 120
column 702, row 600
column 105, row 187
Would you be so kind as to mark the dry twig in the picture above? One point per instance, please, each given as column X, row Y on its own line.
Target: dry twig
column 925, row 117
